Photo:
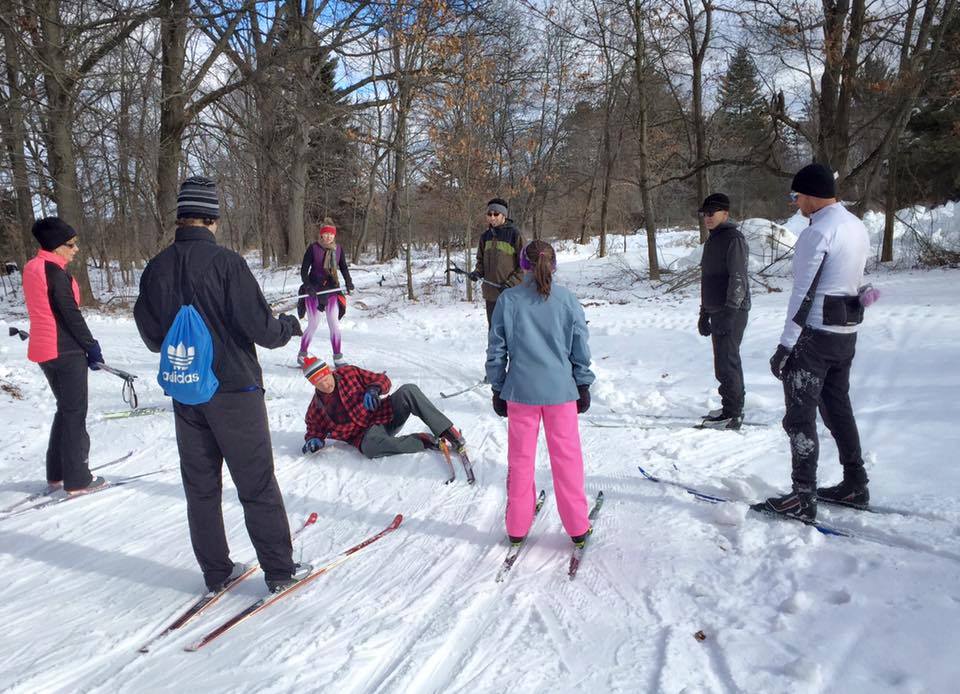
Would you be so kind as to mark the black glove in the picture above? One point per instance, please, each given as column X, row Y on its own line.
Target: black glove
column 371, row 399
column 473, row 276
column 94, row 356
column 294, row 324
column 499, row 404
column 778, row 361
column 349, row 289
column 310, row 291
column 703, row 325
column 721, row 323
column 583, row 402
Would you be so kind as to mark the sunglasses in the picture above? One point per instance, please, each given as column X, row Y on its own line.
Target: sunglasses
column 493, row 214
column 707, row 213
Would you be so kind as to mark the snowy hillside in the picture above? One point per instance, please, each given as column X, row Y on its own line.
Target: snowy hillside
column 781, row 607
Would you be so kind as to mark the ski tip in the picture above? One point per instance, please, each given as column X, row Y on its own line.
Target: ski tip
column 191, row 649
column 312, row 518
column 542, row 494
column 397, row 520
column 143, row 649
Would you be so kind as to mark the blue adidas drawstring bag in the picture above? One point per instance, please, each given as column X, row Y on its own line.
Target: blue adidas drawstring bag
column 186, row 357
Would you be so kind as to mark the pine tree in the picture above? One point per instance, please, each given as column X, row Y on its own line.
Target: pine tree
column 741, row 99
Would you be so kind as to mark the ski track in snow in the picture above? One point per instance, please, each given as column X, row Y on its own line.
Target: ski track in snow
column 783, row 608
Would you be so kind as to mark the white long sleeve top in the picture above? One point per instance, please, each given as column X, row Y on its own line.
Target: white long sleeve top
column 842, row 238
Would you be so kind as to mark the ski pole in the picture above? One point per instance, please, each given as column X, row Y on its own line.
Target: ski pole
column 461, row 271
column 128, row 393
column 305, row 296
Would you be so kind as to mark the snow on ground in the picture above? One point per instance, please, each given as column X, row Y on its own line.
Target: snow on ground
column 782, row 607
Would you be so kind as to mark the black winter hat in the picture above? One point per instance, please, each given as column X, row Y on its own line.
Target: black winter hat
column 715, row 201
column 197, row 199
column 52, row 232
column 815, row 180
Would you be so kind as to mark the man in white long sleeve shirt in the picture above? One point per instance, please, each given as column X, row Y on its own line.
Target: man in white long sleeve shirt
column 817, row 346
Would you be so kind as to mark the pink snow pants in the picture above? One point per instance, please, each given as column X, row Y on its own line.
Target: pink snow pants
column 566, row 463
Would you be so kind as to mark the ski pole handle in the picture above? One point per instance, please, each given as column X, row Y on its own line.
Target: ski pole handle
column 117, row 372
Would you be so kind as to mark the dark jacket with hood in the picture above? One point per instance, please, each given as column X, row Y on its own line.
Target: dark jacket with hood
column 498, row 258
column 226, row 295
column 723, row 266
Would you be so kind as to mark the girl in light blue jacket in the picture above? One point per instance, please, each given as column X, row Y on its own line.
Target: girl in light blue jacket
column 538, row 364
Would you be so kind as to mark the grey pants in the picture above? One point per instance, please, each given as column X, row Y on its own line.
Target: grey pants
column 406, row 400
column 232, row 427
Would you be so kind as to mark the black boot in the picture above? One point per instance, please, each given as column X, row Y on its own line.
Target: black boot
column 722, row 421
column 845, row 494
column 796, row 504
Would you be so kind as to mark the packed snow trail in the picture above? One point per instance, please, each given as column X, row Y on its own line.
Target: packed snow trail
column 782, row 608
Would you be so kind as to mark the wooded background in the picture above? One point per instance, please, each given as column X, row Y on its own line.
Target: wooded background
column 399, row 119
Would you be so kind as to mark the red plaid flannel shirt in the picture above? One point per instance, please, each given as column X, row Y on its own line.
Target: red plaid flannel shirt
column 340, row 415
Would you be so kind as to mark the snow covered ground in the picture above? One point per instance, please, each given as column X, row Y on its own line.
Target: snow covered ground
column 782, row 607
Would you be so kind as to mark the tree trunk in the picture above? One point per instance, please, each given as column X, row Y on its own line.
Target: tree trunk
column 173, row 121
column 296, row 241
column 58, row 135
column 889, row 214
column 14, row 140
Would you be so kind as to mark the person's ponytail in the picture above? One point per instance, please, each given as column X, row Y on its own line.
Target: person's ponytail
column 543, row 261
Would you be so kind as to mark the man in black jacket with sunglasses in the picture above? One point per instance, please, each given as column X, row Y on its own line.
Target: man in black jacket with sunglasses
column 724, row 306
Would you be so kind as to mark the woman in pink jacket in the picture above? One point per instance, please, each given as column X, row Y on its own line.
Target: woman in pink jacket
column 63, row 346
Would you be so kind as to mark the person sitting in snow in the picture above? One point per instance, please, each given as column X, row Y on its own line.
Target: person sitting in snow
column 348, row 406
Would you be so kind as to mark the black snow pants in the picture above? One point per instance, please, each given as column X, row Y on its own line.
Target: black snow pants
column 69, row 446
column 727, row 367
column 232, row 427
column 406, row 400
column 817, row 376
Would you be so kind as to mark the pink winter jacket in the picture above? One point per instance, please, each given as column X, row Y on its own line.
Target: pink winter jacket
column 53, row 301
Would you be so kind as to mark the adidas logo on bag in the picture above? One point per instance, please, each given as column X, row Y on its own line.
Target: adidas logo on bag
column 181, row 357
column 186, row 359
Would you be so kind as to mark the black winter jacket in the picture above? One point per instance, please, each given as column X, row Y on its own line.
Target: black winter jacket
column 723, row 270
column 226, row 295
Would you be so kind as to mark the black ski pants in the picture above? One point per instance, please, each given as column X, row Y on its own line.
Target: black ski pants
column 817, row 376
column 232, row 427
column 727, row 367
column 69, row 446
column 490, row 306
column 380, row 439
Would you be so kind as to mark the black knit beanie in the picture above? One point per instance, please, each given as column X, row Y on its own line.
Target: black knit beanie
column 815, row 180
column 52, row 232
column 197, row 199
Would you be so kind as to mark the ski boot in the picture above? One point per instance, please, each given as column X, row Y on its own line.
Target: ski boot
column 236, row 572
column 722, row 421
column 300, row 572
column 456, row 439
column 845, row 494
column 800, row 505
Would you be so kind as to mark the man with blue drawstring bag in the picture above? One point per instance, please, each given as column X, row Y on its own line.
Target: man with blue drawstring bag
column 201, row 308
